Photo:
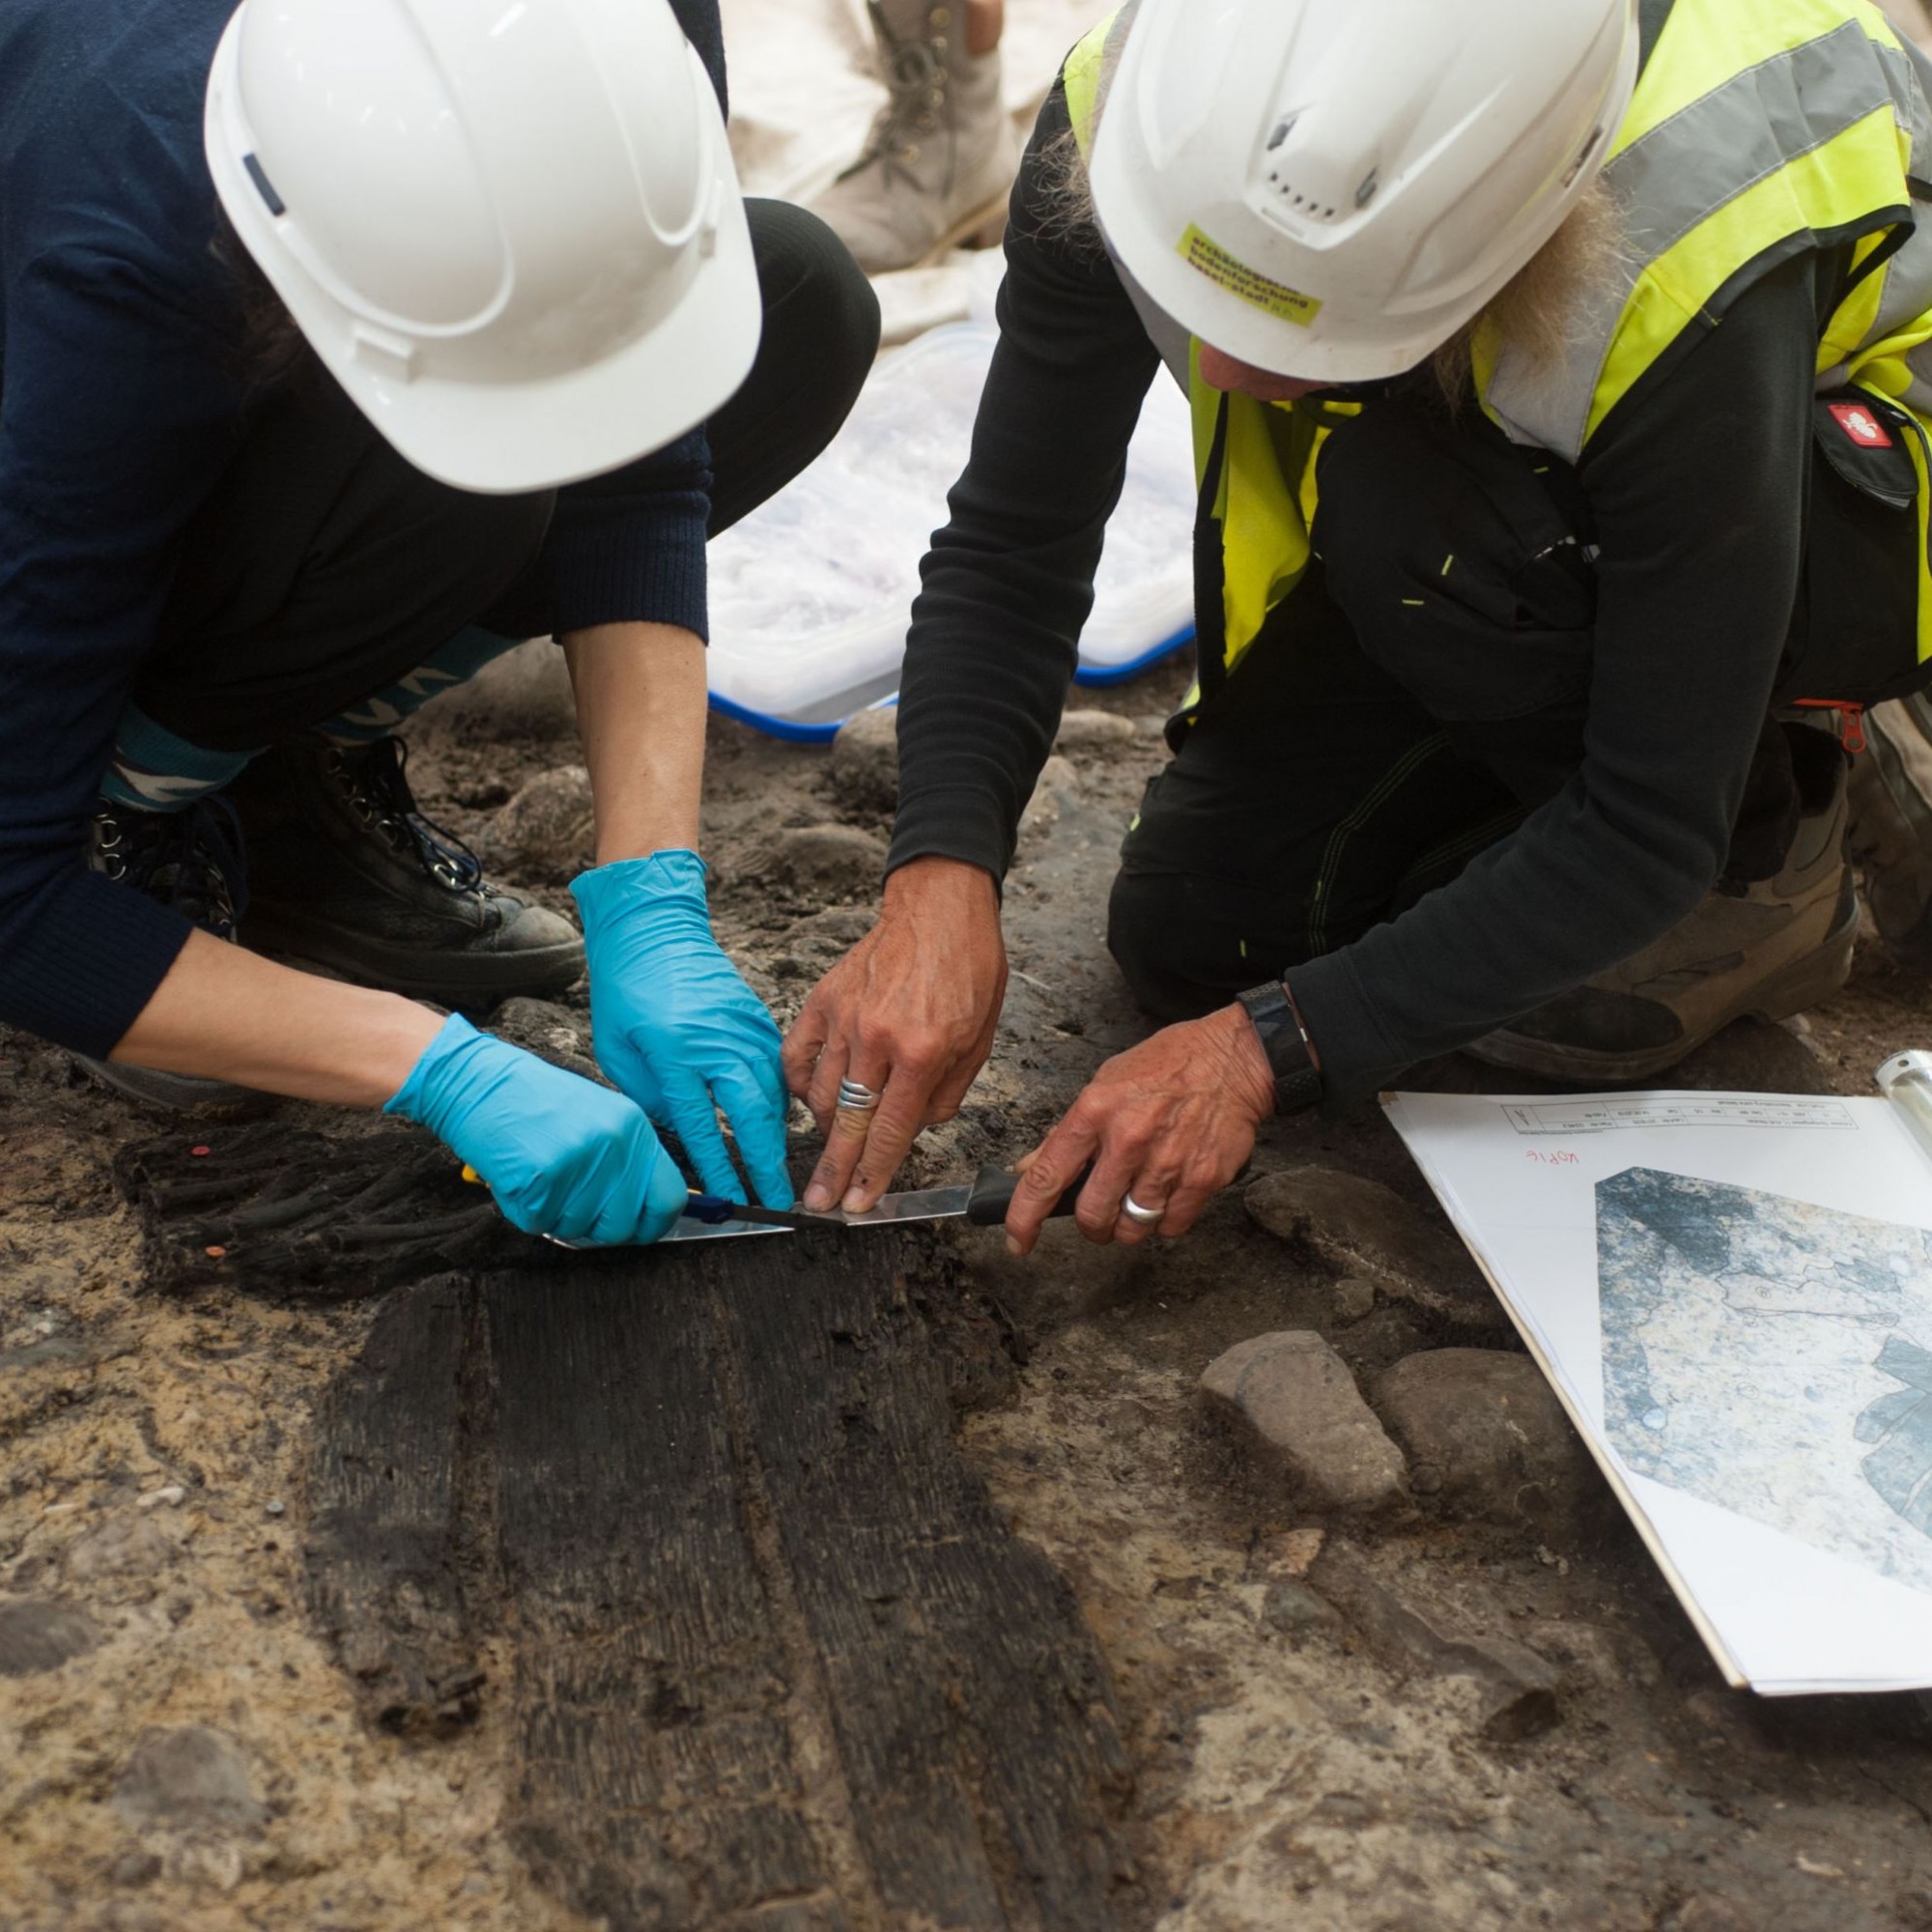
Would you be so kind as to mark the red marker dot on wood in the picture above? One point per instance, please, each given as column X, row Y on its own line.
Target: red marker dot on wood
column 200, row 1151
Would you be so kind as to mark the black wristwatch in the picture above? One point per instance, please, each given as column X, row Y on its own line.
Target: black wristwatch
column 1298, row 1080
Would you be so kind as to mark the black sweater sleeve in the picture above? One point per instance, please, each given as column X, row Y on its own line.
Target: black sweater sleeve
column 1696, row 486
column 1008, row 582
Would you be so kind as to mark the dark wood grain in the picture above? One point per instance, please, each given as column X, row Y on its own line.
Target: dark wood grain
column 779, row 1664
column 388, row 1547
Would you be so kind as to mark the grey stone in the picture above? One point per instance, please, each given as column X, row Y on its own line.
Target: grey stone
column 1092, row 732
column 1058, row 787
column 1485, row 1436
column 37, row 1635
column 1355, row 1298
column 124, row 1546
column 546, row 833
column 195, row 1777
column 1753, row 1055
column 1357, row 1227
column 831, row 864
column 1295, row 1398
column 1517, row 1690
column 524, row 694
column 864, row 763
column 1296, row 1610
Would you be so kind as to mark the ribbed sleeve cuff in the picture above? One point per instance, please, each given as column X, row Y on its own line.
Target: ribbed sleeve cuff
column 1358, row 1055
column 643, row 568
column 951, row 825
column 79, row 962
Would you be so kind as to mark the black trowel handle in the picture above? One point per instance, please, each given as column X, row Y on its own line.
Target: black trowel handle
column 993, row 1194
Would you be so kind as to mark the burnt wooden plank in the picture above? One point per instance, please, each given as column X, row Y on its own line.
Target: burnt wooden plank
column 387, row 1548
column 659, row 1782
column 778, row 1665
column 973, row 1715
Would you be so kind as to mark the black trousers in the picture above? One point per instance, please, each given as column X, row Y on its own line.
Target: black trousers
column 1352, row 763
column 323, row 566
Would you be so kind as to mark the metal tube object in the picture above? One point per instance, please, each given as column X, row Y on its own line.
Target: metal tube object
column 1906, row 1080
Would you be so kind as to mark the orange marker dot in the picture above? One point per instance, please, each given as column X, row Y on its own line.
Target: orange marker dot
column 216, row 1254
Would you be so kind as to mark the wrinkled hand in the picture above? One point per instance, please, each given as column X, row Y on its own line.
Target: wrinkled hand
column 1169, row 1122
column 676, row 1027
column 564, row 1156
column 910, row 1012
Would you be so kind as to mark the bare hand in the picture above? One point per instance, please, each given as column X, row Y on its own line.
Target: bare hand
column 1169, row 1122
column 910, row 1012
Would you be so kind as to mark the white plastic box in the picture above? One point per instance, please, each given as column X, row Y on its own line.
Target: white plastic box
column 810, row 593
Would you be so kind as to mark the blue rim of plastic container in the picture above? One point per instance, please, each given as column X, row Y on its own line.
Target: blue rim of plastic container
column 794, row 733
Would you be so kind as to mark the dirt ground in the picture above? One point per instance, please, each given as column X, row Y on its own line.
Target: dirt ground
column 196, row 1761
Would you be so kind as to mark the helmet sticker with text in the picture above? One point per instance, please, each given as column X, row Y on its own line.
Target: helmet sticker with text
column 1215, row 262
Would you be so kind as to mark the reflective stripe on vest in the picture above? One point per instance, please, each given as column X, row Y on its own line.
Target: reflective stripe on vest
column 1759, row 129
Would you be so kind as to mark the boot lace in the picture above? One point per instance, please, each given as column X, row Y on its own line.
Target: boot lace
column 191, row 859
column 916, row 77
column 378, row 790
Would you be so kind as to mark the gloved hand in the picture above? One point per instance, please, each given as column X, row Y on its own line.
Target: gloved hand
column 562, row 1155
column 673, row 1024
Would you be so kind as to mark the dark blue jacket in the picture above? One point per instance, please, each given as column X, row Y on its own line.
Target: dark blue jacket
column 120, row 401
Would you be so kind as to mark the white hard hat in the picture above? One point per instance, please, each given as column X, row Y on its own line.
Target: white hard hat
column 1330, row 188
column 511, row 228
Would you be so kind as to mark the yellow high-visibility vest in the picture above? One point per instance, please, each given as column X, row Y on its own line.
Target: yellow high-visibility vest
column 1758, row 129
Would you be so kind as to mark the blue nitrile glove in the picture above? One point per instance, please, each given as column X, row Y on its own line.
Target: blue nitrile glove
column 562, row 1155
column 673, row 1024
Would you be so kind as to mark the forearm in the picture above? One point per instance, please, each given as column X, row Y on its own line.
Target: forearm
column 223, row 1013
column 641, row 709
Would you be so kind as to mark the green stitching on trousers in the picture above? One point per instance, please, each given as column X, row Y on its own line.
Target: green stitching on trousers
column 1390, row 782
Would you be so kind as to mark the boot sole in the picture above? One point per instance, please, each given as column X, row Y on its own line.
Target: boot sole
column 448, row 978
column 1798, row 985
column 172, row 1093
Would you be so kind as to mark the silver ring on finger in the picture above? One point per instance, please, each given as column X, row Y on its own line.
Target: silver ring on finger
column 856, row 1097
column 1144, row 1217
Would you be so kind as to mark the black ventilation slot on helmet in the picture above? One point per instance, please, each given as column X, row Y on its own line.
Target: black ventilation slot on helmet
column 1303, row 204
column 264, row 186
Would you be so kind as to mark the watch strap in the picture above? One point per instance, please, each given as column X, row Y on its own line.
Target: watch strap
column 1290, row 1059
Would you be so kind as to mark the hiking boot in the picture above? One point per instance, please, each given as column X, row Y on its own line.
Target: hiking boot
column 940, row 160
column 1767, row 950
column 1891, row 826
column 191, row 859
column 350, row 877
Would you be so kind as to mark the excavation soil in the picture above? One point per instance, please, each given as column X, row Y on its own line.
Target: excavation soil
column 1485, row 1716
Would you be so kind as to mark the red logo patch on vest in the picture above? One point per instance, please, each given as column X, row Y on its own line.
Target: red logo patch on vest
column 1860, row 425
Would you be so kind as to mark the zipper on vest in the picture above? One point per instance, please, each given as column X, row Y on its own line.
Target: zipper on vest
column 1851, row 728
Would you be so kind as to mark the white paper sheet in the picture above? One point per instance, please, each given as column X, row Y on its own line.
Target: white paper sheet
column 1711, row 1280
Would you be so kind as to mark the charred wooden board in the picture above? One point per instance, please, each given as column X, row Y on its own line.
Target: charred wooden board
column 779, row 1664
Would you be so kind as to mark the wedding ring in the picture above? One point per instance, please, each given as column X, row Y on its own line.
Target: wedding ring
column 855, row 1097
column 1145, row 1217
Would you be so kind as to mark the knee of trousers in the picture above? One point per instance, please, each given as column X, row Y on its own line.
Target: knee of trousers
column 1176, row 947
column 821, row 316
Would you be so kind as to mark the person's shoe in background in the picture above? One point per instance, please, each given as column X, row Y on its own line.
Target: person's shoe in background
column 940, row 160
column 1770, row 948
column 1891, row 826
